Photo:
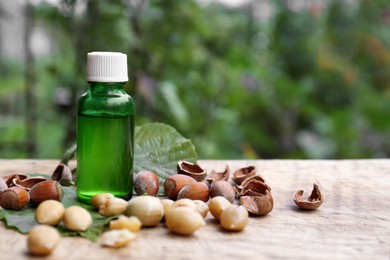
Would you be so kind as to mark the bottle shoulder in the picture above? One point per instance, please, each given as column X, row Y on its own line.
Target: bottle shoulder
column 111, row 104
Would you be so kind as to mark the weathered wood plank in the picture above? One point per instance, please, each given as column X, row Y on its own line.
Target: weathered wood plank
column 352, row 223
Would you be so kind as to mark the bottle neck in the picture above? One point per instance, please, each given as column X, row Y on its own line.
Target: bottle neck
column 105, row 87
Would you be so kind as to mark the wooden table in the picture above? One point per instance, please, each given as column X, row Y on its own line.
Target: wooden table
column 352, row 223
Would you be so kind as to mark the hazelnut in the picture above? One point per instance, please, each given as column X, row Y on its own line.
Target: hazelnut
column 49, row 212
column 113, row 206
column 185, row 203
column 201, row 207
column 167, row 203
column 42, row 240
column 184, row 220
column 117, row 238
column 191, row 169
column 46, row 190
column 234, row 218
column 195, row 191
column 174, row 183
column 100, row 199
column 14, row 198
column 224, row 189
column 180, row 203
column 77, row 218
column 243, row 173
column 217, row 205
column 132, row 223
column 148, row 209
column 146, row 182
column 312, row 202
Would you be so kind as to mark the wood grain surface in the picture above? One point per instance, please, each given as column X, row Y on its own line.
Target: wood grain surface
column 352, row 223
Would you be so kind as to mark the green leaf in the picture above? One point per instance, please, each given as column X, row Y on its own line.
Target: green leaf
column 24, row 220
column 158, row 148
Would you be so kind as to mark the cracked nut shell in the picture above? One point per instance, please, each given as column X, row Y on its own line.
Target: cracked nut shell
column 312, row 202
column 214, row 176
column 243, row 173
column 256, row 197
column 191, row 169
column 63, row 175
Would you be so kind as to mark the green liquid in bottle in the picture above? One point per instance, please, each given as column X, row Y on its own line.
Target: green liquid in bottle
column 104, row 156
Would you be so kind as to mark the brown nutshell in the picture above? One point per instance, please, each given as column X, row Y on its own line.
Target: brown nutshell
column 9, row 179
column 191, row 169
column 195, row 191
column 258, row 205
column 312, row 202
column 256, row 197
column 63, row 175
column 46, row 190
column 243, row 173
column 254, row 177
column 174, row 183
column 254, row 187
column 28, row 183
column 146, row 182
column 14, row 198
column 224, row 189
column 214, row 176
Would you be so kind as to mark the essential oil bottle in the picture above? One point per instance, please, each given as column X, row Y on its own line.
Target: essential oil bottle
column 105, row 129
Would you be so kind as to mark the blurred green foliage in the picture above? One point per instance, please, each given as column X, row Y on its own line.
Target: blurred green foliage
column 308, row 83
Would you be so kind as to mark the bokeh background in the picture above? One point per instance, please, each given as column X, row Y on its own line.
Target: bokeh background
column 241, row 78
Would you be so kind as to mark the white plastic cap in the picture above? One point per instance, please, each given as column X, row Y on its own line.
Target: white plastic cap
column 107, row 67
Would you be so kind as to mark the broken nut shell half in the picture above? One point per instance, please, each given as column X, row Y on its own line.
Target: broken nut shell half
column 214, row 176
column 312, row 202
column 243, row 173
column 256, row 197
column 191, row 169
column 63, row 175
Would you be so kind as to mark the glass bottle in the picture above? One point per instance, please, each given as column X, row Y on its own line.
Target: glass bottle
column 105, row 129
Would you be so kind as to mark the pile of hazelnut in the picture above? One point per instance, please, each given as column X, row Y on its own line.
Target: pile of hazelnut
column 192, row 193
column 17, row 190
